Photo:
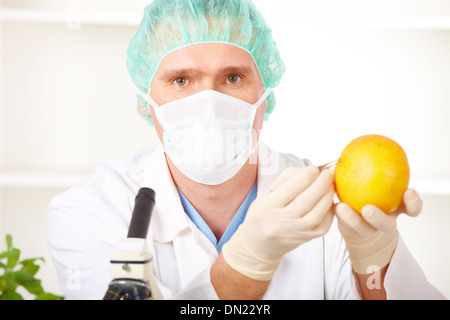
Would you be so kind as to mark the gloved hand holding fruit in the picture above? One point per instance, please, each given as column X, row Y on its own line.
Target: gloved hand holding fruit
column 371, row 179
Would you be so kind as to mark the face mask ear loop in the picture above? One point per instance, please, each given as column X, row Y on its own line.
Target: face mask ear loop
column 147, row 98
column 257, row 104
column 263, row 97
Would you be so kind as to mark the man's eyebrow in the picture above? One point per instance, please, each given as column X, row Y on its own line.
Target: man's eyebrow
column 236, row 70
column 183, row 72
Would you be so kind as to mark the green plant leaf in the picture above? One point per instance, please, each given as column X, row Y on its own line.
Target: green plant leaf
column 21, row 276
column 8, row 287
column 4, row 254
column 3, row 284
column 10, row 295
column 11, row 278
column 13, row 256
column 34, row 287
column 30, row 266
column 48, row 296
column 8, row 242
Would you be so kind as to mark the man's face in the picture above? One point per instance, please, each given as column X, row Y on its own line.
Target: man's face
column 220, row 67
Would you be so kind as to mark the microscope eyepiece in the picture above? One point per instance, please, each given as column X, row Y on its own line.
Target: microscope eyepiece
column 142, row 212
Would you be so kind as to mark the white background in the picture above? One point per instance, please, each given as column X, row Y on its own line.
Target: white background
column 353, row 67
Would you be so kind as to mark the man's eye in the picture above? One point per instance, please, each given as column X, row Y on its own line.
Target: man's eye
column 181, row 81
column 233, row 79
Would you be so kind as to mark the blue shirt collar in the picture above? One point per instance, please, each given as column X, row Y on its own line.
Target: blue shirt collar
column 234, row 224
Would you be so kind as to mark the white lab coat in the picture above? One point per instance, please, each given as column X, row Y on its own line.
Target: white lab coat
column 86, row 223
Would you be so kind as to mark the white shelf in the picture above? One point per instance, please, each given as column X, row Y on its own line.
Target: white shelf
column 70, row 17
column 431, row 186
column 405, row 23
column 40, row 179
column 73, row 18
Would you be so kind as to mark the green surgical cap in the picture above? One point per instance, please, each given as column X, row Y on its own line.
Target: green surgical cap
column 169, row 25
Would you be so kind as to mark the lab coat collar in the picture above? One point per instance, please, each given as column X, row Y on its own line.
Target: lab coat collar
column 168, row 205
column 167, row 202
column 270, row 165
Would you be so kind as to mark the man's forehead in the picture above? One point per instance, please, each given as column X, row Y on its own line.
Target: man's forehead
column 217, row 57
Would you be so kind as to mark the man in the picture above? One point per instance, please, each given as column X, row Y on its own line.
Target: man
column 233, row 219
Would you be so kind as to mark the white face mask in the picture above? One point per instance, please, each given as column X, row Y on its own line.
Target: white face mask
column 208, row 136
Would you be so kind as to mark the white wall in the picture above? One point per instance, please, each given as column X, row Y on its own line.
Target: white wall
column 79, row 78
column 1, row 118
column 427, row 237
column 65, row 92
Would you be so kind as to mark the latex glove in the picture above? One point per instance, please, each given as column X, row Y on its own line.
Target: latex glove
column 296, row 209
column 371, row 237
